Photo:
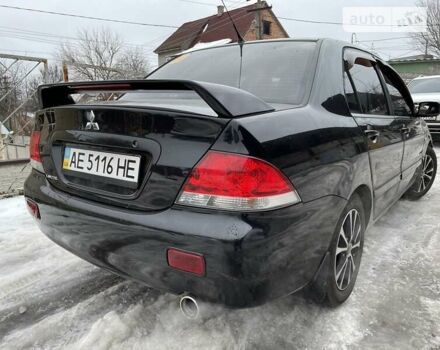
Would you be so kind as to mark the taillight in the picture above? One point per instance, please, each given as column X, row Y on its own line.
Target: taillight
column 34, row 150
column 186, row 261
column 236, row 182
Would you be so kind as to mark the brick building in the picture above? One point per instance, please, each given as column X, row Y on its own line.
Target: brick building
column 254, row 22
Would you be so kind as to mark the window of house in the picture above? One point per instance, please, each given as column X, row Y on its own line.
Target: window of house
column 267, row 27
column 368, row 87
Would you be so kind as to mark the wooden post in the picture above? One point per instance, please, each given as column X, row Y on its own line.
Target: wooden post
column 65, row 72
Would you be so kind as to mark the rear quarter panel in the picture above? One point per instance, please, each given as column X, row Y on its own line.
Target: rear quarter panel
column 318, row 146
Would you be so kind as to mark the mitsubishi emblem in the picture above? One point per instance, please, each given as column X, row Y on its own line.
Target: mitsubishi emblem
column 91, row 124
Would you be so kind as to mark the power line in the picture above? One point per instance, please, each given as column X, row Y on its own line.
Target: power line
column 23, row 33
column 89, row 17
column 198, row 2
column 309, row 21
column 386, row 39
column 209, row 3
column 347, row 24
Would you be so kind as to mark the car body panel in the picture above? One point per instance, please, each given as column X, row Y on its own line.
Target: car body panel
column 250, row 257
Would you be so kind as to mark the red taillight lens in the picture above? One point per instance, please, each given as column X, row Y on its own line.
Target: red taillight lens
column 34, row 147
column 186, row 261
column 236, row 182
column 33, row 208
column 34, row 151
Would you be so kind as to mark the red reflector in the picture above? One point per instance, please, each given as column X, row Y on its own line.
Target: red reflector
column 33, row 208
column 34, row 147
column 185, row 261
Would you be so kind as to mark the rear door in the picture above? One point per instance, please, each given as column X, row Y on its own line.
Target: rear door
column 412, row 132
column 368, row 104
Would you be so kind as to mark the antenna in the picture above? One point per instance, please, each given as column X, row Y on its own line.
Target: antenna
column 240, row 38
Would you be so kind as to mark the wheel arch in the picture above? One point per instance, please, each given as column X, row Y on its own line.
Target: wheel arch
column 366, row 196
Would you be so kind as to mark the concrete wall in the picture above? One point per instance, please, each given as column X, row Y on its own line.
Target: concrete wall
column 15, row 147
column 413, row 69
column 12, row 176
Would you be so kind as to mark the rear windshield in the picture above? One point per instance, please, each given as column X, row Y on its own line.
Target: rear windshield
column 277, row 72
column 421, row 86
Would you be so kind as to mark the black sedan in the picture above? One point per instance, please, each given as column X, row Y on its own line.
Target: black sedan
column 234, row 174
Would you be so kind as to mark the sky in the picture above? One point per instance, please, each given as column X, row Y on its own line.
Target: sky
column 39, row 34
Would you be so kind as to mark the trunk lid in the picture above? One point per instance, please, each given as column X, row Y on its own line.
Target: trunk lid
column 168, row 143
column 154, row 139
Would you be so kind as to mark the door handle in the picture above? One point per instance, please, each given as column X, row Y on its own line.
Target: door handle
column 372, row 135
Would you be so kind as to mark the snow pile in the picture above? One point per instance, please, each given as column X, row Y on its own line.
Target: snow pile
column 52, row 299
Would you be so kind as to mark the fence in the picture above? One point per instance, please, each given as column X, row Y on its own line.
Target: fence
column 14, row 148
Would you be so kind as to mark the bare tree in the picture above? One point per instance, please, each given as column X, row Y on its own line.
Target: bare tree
column 52, row 75
column 429, row 41
column 102, row 55
column 10, row 92
column 132, row 64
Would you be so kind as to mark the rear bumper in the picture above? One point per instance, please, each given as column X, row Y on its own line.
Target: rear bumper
column 434, row 129
column 250, row 258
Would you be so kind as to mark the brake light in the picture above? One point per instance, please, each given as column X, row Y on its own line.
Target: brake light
column 186, row 261
column 236, row 182
column 34, row 150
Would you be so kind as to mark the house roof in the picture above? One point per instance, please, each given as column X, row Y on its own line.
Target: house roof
column 209, row 29
column 419, row 58
column 4, row 130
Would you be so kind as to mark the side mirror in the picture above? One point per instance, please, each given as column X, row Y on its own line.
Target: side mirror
column 428, row 110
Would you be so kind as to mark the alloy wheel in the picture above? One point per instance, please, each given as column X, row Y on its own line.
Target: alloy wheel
column 347, row 249
column 427, row 173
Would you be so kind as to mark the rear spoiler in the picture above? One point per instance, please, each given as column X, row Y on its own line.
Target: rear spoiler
column 225, row 101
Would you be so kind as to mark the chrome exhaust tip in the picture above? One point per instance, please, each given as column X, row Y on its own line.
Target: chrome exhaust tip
column 189, row 307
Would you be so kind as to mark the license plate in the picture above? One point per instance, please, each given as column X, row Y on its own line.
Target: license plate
column 111, row 165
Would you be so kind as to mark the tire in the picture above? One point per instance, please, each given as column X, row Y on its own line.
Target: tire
column 425, row 177
column 334, row 286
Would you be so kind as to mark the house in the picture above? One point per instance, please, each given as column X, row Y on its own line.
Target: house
column 254, row 22
column 3, row 130
column 414, row 66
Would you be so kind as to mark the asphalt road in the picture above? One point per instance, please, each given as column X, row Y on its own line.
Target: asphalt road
column 50, row 299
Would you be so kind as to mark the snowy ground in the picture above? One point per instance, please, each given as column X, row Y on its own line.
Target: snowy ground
column 51, row 299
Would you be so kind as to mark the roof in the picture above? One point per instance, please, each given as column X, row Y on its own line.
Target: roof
column 4, row 130
column 212, row 28
column 415, row 58
column 427, row 77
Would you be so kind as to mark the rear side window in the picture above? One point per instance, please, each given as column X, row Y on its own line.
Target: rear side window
column 400, row 107
column 353, row 103
column 368, row 87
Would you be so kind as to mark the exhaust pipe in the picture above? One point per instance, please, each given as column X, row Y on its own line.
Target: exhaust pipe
column 189, row 306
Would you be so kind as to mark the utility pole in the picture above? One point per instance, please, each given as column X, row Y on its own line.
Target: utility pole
column 353, row 38
column 65, row 72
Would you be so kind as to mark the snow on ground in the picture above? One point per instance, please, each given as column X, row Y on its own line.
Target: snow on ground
column 50, row 299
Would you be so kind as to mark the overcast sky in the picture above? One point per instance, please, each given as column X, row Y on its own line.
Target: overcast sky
column 18, row 28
